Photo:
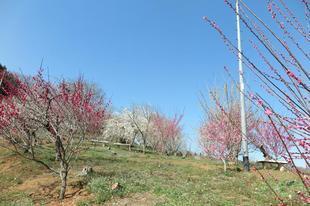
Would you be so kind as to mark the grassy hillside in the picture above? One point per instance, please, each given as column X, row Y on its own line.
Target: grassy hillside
column 144, row 180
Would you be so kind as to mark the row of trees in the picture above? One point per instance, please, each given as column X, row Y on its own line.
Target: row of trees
column 37, row 115
column 145, row 126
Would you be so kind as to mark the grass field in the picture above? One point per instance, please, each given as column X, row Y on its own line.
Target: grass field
column 148, row 179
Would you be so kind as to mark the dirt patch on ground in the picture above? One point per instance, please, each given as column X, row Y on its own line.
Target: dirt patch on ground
column 42, row 187
column 45, row 188
column 72, row 198
column 137, row 199
column 9, row 164
column 35, row 183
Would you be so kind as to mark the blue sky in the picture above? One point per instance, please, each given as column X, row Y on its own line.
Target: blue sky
column 158, row 52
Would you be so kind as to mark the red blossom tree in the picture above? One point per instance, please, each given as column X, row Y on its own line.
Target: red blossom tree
column 65, row 113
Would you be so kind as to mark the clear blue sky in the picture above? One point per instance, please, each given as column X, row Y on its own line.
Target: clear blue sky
column 159, row 52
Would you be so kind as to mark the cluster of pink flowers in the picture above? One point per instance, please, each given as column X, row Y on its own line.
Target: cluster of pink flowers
column 292, row 75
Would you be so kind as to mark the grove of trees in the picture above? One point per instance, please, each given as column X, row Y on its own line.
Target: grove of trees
column 142, row 125
column 37, row 115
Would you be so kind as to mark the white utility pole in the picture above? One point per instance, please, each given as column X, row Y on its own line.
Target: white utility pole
column 244, row 143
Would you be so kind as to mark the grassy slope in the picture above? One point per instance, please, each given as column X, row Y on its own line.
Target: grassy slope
column 145, row 179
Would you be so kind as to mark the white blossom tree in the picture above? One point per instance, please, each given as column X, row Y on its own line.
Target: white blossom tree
column 119, row 128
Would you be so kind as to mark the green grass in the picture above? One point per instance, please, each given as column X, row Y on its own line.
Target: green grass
column 15, row 199
column 172, row 180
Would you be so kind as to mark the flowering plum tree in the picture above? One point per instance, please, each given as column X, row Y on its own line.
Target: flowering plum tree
column 266, row 139
column 220, row 132
column 142, row 125
column 66, row 112
column 8, row 82
column 119, row 128
column 168, row 133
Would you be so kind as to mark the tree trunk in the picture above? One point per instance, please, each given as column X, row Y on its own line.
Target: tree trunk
column 63, row 177
column 236, row 159
column 131, row 143
column 57, row 157
column 143, row 149
column 57, row 149
column 225, row 165
column 265, row 154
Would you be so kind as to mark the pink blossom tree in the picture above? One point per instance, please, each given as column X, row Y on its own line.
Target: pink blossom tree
column 267, row 141
column 280, row 68
column 168, row 133
column 220, row 131
column 217, row 140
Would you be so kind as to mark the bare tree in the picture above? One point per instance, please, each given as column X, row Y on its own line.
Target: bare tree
column 141, row 117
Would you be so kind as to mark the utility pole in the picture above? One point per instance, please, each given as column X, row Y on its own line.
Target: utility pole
column 244, row 143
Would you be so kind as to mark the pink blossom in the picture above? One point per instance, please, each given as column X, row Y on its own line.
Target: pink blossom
column 268, row 112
